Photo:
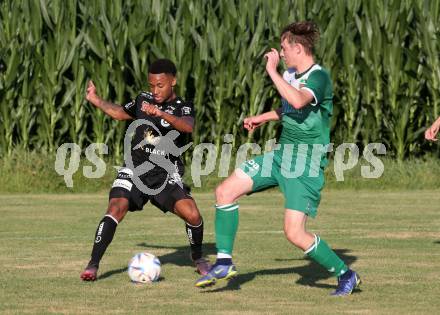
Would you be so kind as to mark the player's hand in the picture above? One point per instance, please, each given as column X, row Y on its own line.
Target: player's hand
column 150, row 110
column 431, row 132
column 273, row 59
column 251, row 123
column 91, row 95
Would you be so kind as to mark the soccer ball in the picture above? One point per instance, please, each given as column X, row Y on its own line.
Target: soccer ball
column 144, row 268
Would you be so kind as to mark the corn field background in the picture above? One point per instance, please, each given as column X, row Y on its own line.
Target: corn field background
column 384, row 58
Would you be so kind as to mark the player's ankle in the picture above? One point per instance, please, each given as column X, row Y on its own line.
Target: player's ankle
column 223, row 261
column 92, row 264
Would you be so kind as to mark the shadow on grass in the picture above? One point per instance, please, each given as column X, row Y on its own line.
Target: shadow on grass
column 179, row 257
column 111, row 273
column 436, row 242
column 310, row 274
column 181, row 254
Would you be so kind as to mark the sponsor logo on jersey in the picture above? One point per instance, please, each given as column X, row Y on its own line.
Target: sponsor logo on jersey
column 123, row 183
column 129, row 105
column 123, row 176
column 186, row 110
column 154, row 151
column 126, row 172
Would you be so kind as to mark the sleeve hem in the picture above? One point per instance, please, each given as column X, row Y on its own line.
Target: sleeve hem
column 315, row 102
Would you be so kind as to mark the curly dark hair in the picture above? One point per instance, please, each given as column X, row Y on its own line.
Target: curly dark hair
column 305, row 33
column 163, row 66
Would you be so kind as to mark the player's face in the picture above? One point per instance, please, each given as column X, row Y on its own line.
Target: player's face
column 290, row 53
column 161, row 85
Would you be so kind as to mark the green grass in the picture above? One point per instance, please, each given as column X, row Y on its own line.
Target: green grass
column 391, row 238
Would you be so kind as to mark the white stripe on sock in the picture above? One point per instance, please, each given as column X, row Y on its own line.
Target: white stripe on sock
column 111, row 217
column 314, row 245
column 223, row 255
column 195, row 226
column 226, row 206
column 232, row 208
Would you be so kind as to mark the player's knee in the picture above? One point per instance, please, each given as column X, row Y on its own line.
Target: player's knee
column 223, row 194
column 294, row 235
column 117, row 209
column 193, row 218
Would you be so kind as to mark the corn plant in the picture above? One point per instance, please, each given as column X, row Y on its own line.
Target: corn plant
column 383, row 58
column 369, row 28
column 428, row 30
column 54, row 59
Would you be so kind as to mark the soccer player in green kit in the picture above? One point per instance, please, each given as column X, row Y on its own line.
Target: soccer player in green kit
column 305, row 116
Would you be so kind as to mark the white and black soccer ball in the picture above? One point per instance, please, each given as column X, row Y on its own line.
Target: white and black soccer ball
column 144, row 268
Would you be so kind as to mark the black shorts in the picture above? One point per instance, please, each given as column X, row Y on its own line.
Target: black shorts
column 162, row 192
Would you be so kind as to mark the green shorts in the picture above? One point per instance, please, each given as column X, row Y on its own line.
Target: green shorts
column 300, row 186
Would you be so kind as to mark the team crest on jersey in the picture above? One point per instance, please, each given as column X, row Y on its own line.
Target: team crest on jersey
column 164, row 123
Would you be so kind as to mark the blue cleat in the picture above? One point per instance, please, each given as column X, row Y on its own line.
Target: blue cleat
column 347, row 283
column 217, row 272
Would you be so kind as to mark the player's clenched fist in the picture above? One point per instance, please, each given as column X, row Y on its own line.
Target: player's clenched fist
column 150, row 109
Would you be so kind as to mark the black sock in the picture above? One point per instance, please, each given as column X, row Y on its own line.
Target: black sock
column 195, row 237
column 223, row 261
column 103, row 237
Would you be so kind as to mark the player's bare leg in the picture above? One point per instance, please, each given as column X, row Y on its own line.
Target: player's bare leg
column 295, row 229
column 187, row 210
column 226, row 225
column 236, row 185
column 317, row 249
column 116, row 211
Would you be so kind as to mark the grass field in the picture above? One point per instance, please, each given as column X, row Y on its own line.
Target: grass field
column 391, row 238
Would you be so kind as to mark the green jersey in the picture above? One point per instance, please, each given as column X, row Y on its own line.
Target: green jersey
column 299, row 173
column 311, row 123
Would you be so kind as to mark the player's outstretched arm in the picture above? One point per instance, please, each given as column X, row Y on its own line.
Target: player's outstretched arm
column 431, row 132
column 250, row 123
column 113, row 110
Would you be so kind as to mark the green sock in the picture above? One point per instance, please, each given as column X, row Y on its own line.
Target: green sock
column 226, row 225
column 326, row 257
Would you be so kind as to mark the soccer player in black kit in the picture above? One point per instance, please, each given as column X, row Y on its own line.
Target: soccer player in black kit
column 162, row 116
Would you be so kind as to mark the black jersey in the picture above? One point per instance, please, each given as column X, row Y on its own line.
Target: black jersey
column 146, row 140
